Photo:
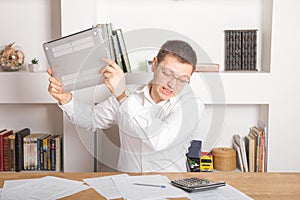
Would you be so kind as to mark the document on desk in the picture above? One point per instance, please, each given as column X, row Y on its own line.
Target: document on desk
column 105, row 186
column 48, row 187
column 147, row 187
column 225, row 193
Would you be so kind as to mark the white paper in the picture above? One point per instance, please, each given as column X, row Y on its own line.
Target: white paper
column 130, row 191
column 48, row 187
column 105, row 185
column 222, row 193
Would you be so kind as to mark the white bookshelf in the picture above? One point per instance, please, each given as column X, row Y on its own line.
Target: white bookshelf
column 243, row 98
column 202, row 23
column 25, row 103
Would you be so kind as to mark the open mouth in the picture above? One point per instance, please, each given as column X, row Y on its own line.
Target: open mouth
column 167, row 91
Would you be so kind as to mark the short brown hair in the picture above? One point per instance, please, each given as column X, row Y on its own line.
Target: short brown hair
column 180, row 49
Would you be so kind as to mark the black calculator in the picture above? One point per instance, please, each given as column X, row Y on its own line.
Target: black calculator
column 195, row 184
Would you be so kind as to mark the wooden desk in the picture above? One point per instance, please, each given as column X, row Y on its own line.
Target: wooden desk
column 255, row 185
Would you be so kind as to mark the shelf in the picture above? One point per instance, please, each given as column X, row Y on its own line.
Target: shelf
column 24, row 87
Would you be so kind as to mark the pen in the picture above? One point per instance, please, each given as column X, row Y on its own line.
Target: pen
column 150, row 185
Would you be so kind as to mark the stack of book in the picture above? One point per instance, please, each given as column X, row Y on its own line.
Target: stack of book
column 114, row 40
column 252, row 149
column 28, row 151
column 240, row 50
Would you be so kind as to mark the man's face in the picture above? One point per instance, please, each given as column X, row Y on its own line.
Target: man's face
column 170, row 76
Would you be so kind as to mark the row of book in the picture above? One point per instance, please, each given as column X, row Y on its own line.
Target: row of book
column 252, row 150
column 241, row 50
column 23, row 150
column 115, row 43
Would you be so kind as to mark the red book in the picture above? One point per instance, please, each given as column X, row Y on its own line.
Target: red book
column 2, row 136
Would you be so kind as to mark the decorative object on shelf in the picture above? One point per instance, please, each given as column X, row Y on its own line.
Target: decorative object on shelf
column 240, row 50
column 34, row 66
column 207, row 67
column 11, row 58
column 224, row 159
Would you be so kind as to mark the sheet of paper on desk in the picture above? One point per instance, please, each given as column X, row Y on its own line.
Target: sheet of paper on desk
column 131, row 191
column 48, row 187
column 105, row 185
column 225, row 193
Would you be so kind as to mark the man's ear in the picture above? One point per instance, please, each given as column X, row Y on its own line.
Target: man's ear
column 154, row 64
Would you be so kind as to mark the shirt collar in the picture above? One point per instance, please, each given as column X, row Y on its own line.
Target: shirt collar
column 145, row 90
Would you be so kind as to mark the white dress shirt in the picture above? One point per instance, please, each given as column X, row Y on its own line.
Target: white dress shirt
column 153, row 137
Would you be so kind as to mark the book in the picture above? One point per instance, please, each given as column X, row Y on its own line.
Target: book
column 261, row 147
column 250, row 150
column 12, row 152
column 207, row 67
column 123, row 50
column 19, row 156
column 240, row 50
column 264, row 127
column 240, row 141
column 46, row 153
column 239, row 158
column 58, row 151
column 40, row 157
column 30, row 151
column 3, row 134
column 258, row 135
column 53, row 153
column 114, row 41
column 6, row 153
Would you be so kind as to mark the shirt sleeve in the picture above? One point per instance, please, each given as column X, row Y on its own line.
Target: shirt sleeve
column 91, row 117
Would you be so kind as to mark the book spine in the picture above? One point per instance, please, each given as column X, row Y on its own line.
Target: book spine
column 48, row 166
column 234, row 52
column 35, row 154
column 231, row 51
column 38, row 152
column 238, row 50
column 45, row 149
column 25, row 152
column 12, row 154
column 6, row 154
column 110, row 41
column 228, row 50
column 262, row 150
column 19, row 153
column 117, row 49
column 1, row 154
column 123, row 49
column 58, row 153
column 52, row 154
column 258, row 147
column 253, row 50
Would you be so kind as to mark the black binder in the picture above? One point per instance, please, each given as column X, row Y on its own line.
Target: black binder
column 19, row 148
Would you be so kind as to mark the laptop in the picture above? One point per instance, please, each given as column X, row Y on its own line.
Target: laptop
column 76, row 59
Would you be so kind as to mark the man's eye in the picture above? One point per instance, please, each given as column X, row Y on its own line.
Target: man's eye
column 169, row 73
column 183, row 81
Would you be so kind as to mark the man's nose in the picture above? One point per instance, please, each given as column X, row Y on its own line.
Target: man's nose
column 172, row 83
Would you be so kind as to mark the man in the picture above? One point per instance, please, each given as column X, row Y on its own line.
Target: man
column 156, row 121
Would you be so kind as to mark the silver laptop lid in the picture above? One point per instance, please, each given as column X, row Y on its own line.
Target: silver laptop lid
column 76, row 59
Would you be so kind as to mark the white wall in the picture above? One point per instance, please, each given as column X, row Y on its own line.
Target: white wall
column 285, row 96
column 202, row 21
column 29, row 24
